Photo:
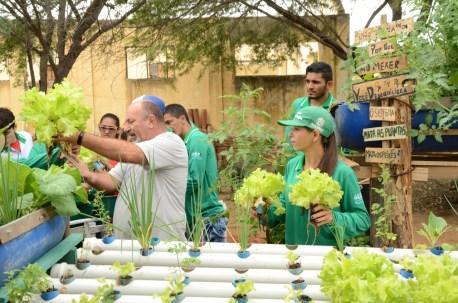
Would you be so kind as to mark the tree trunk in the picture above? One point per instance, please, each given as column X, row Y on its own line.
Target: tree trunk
column 44, row 72
column 396, row 7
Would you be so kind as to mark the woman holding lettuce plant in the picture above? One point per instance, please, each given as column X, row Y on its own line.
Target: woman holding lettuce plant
column 313, row 135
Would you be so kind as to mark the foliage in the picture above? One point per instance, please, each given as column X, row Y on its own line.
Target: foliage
column 338, row 231
column 101, row 212
column 60, row 112
column 292, row 257
column 254, row 145
column 175, row 287
column 104, row 294
column 246, row 225
column 23, row 189
column 314, row 187
column 140, row 203
column 261, row 188
column 197, row 226
column 30, row 281
column 210, row 31
column 364, row 277
column 190, row 262
column 56, row 33
column 13, row 197
column 432, row 52
column 243, row 288
column 294, row 295
column 123, row 270
column 358, row 241
column 435, row 228
column 436, row 278
column 384, row 213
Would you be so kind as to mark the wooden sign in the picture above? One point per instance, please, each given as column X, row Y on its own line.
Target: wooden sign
column 385, row 65
column 385, row 133
column 385, row 30
column 382, row 113
column 380, row 48
column 384, row 88
column 383, row 155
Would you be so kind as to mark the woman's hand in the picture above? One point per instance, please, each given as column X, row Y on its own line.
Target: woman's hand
column 321, row 215
column 82, row 167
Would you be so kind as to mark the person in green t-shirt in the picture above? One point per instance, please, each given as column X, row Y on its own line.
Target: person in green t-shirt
column 318, row 83
column 313, row 134
column 202, row 175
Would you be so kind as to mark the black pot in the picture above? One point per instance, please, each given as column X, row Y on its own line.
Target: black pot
column 123, row 281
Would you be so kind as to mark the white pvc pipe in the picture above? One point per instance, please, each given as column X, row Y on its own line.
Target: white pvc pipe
column 256, row 248
column 201, row 289
column 66, row 298
column 273, row 276
column 221, row 260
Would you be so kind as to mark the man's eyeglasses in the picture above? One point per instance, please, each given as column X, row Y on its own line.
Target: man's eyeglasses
column 107, row 129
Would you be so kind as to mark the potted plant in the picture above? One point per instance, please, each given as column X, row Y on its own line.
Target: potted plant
column 67, row 277
column 432, row 231
column 197, row 224
column 173, row 293
column 241, row 291
column 83, row 262
column 296, row 296
column 294, row 265
column 124, row 272
column 103, row 214
column 314, row 187
column 105, row 293
column 188, row 264
column 299, row 284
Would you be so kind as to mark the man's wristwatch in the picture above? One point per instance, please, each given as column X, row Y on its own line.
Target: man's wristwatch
column 79, row 141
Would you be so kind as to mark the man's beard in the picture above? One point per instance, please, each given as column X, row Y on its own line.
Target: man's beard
column 318, row 96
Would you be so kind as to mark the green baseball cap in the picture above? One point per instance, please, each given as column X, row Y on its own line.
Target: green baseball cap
column 313, row 117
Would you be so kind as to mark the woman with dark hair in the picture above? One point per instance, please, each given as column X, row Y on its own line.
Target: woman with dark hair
column 109, row 127
column 313, row 137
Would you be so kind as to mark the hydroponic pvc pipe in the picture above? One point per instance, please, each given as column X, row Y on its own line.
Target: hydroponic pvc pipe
column 194, row 289
column 65, row 298
column 222, row 260
column 274, row 276
column 266, row 249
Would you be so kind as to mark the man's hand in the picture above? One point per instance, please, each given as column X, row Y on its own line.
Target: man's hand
column 321, row 215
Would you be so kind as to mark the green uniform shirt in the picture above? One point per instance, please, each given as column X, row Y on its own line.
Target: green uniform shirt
column 202, row 176
column 38, row 157
column 298, row 104
column 352, row 212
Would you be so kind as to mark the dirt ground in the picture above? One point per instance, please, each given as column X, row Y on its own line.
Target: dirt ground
column 427, row 196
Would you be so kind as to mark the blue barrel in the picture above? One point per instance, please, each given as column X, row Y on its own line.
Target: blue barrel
column 350, row 125
column 30, row 246
column 450, row 143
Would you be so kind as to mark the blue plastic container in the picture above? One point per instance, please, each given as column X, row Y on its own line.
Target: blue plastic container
column 48, row 296
column 450, row 143
column 30, row 246
column 350, row 125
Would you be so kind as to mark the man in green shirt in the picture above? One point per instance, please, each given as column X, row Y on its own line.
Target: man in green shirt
column 202, row 175
column 318, row 83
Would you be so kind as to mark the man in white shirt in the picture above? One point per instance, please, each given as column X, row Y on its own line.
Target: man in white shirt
column 155, row 149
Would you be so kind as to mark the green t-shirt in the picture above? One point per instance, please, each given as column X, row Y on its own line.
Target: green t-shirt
column 38, row 157
column 298, row 104
column 202, row 176
column 352, row 212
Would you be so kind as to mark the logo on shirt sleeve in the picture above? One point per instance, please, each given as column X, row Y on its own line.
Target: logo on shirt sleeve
column 358, row 198
column 196, row 155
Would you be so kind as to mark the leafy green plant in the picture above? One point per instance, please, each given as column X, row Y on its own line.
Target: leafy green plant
column 315, row 187
column 254, row 145
column 198, row 224
column 60, row 112
column 384, row 213
column 292, row 257
column 30, row 281
column 175, row 287
column 435, row 228
column 246, row 225
column 242, row 289
column 188, row 264
column 123, row 270
column 104, row 293
column 338, row 231
column 436, row 278
column 295, row 296
column 364, row 277
column 261, row 188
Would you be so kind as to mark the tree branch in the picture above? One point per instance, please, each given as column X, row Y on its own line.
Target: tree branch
column 375, row 13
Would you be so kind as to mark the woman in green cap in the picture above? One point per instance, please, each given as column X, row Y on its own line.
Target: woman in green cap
column 313, row 135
